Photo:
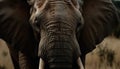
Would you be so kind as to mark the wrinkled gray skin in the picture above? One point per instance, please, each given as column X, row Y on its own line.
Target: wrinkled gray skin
column 100, row 18
column 58, row 21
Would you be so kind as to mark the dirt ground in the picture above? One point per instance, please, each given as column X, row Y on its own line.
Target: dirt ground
column 112, row 45
column 92, row 59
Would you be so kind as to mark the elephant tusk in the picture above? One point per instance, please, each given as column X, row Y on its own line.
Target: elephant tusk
column 79, row 62
column 41, row 64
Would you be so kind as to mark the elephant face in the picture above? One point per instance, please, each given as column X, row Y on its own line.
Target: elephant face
column 57, row 22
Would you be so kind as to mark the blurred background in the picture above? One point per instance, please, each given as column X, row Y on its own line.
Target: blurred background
column 105, row 56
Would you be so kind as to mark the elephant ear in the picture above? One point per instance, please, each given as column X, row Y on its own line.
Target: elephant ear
column 14, row 21
column 117, row 31
column 100, row 19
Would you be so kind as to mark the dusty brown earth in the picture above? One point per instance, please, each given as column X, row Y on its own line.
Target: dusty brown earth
column 92, row 59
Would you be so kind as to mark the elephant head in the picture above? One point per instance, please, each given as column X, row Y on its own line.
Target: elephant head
column 57, row 22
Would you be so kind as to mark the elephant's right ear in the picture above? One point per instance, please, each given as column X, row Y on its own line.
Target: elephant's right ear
column 30, row 2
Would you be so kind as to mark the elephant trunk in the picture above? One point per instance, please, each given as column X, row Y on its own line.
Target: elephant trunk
column 58, row 46
column 60, row 56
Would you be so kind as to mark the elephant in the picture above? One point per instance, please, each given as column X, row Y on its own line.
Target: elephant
column 51, row 19
column 55, row 34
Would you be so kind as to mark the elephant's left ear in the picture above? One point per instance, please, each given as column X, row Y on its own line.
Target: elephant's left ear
column 100, row 20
